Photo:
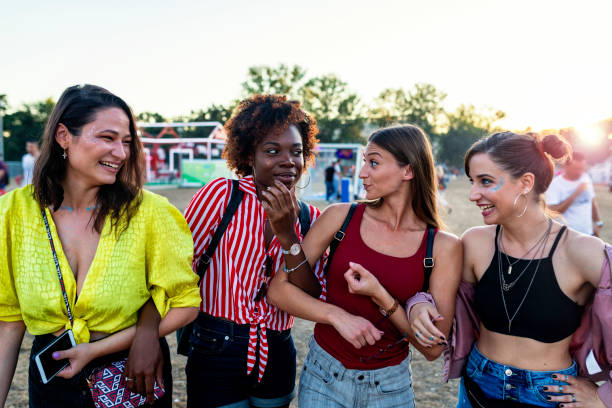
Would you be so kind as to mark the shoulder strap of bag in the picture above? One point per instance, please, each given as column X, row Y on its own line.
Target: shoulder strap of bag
column 428, row 261
column 304, row 217
column 232, row 206
column 339, row 236
column 57, row 267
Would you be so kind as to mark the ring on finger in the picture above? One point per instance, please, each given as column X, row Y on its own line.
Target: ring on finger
column 560, row 388
column 573, row 397
column 431, row 338
column 129, row 379
column 417, row 334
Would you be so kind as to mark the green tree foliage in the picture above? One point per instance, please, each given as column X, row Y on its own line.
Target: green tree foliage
column 421, row 105
column 336, row 109
column 465, row 126
column 282, row 80
column 150, row 117
column 26, row 123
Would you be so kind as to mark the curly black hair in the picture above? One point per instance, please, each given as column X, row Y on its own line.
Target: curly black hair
column 257, row 117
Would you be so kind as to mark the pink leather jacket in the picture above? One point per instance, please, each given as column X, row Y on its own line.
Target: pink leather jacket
column 594, row 333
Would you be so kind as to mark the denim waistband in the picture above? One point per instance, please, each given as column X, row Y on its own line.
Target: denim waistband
column 331, row 364
column 518, row 375
column 231, row 329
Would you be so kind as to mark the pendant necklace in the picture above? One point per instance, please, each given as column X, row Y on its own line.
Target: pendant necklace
column 506, row 287
column 539, row 241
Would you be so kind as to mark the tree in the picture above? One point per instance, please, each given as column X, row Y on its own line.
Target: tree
column 465, row 126
column 421, row 106
column 283, row 80
column 25, row 124
column 336, row 109
column 150, row 117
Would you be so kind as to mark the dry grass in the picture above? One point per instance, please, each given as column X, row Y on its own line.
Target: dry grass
column 429, row 389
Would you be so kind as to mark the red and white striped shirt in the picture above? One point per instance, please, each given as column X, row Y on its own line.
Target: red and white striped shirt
column 236, row 271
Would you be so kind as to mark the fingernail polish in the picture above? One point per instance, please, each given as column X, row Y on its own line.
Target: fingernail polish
column 442, row 338
column 548, row 398
column 555, row 376
column 545, row 388
column 56, row 355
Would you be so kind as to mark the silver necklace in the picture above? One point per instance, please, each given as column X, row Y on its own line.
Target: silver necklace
column 501, row 279
column 542, row 241
column 539, row 241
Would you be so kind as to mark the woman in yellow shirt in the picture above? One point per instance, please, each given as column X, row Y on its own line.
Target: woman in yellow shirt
column 117, row 247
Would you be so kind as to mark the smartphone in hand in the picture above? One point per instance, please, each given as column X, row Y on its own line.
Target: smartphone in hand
column 48, row 367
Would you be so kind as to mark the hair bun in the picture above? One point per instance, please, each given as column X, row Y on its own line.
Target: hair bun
column 556, row 146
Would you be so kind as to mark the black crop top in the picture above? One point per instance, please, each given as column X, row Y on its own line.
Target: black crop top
column 547, row 314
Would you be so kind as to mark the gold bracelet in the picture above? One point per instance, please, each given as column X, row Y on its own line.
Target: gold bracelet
column 389, row 312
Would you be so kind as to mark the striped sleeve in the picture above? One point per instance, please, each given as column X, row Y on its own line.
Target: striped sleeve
column 318, row 268
column 204, row 212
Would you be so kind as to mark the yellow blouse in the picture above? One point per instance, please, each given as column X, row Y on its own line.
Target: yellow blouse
column 152, row 258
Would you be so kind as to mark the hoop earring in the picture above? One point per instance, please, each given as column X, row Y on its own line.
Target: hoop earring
column 526, row 204
column 307, row 184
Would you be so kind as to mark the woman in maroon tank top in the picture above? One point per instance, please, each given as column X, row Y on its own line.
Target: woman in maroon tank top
column 359, row 353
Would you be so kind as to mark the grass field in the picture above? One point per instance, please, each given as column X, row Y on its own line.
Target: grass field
column 429, row 389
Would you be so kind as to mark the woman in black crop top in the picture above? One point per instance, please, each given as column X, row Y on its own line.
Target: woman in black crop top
column 532, row 277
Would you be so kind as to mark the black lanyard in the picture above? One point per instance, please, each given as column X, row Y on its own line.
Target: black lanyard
column 57, row 267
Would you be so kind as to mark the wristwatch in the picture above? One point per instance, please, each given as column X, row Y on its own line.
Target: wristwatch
column 293, row 250
column 598, row 223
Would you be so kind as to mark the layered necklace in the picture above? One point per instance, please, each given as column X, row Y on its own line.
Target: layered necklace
column 506, row 287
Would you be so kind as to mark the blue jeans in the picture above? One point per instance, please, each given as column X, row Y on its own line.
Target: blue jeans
column 504, row 382
column 325, row 383
column 217, row 364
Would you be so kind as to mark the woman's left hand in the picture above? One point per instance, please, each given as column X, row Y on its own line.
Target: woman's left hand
column 579, row 393
column 361, row 281
column 145, row 364
column 78, row 357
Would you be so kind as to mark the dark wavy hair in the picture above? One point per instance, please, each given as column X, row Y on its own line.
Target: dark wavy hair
column 257, row 117
column 519, row 154
column 77, row 106
column 410, row 146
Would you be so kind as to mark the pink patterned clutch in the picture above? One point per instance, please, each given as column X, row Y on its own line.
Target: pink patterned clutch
column 108, row 389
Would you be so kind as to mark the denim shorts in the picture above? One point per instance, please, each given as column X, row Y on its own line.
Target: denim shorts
column 326, row 383
column 74, row 392
column 217, row 364
column 505, row 382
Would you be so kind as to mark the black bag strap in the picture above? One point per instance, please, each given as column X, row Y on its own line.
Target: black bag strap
column 339, row 236
column 57, row 268
column 232, row 206
column 428, row 261
column 304, row 217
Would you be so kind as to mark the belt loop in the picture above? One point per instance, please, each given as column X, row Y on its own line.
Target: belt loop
column 483, row 364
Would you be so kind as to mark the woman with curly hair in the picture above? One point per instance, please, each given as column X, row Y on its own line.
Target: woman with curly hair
column 241, row 352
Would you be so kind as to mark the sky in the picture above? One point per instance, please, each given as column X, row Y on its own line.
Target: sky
column 547, row 64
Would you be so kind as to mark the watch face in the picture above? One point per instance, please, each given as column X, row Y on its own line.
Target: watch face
column 295, row 249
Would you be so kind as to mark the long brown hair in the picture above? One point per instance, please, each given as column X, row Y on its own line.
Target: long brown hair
column 77, row 106
column 410, row 146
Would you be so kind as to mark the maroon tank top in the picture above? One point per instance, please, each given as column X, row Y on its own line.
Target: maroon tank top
column 402, row 277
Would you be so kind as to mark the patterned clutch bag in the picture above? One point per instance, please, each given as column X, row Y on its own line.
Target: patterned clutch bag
column 108, row 388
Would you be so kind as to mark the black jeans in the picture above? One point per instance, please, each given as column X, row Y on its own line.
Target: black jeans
column 74, row 392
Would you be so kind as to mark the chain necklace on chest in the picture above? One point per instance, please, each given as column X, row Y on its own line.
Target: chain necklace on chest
column 504, row 287
column 539, row 241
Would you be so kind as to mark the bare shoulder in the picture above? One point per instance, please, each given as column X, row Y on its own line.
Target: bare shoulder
column 476, row 236
column 336, row 213
column 446, row 241
column 585, row 253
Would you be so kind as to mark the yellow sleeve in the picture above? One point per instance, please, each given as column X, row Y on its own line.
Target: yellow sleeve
column 169, row 253
column 9, row 302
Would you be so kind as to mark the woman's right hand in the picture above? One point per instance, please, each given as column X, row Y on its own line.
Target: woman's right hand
column 282, row 210
column 355, row 329
column 422, row 318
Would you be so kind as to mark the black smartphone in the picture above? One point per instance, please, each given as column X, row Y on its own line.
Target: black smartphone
column 48, row 367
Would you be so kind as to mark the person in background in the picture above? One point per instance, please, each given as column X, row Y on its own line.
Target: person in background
column 572, row 195
column 28, row 160
column 4, row 175
column 442, row 185
column 333, row 175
